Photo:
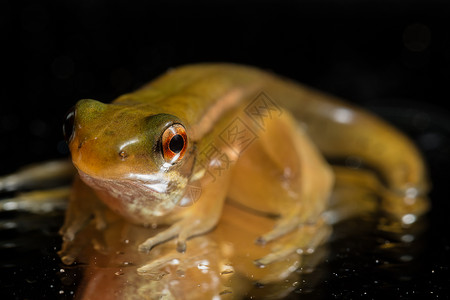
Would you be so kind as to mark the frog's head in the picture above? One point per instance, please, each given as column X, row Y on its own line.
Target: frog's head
column 132, row 156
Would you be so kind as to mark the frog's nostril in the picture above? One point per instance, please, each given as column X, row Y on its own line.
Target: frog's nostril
column 68, row 126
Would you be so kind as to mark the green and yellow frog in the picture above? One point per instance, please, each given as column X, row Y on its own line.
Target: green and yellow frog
column 174, row 151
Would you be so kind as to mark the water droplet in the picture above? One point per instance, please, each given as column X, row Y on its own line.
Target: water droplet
column 228, row 271
column 408, row 219
column 225, row 292
column 407, row 238
column 203, row 265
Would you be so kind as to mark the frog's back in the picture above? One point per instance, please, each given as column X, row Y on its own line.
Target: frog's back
column 338, row 129
column 190, row 92
column 199, row 94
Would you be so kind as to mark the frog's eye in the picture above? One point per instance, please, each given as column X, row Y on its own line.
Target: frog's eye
column 174, row 143
column 68, row 126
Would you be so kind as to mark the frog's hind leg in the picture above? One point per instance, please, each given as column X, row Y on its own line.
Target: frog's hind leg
column 37, row 188
column 282, row 174
column 39, row 201
column 346, row 133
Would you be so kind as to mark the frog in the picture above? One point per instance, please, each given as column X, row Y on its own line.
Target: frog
column 173, row 152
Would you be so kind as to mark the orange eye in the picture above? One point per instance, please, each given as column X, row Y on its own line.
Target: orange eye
column 174, row 143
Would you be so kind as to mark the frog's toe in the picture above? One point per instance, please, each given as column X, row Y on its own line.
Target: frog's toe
column 100, row 220
column 283, row 227
column 274, row 256
column 145, row 247
column 69, row 231
column 161, row 237
column 153, row 268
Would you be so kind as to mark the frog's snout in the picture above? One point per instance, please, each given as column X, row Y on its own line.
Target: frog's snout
column 87, row 109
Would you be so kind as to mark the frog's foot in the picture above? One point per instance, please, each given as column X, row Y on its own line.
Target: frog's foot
column 282, row 227
column 88, row 237
column 304, row 240
column 183, row 229
column 161, row 237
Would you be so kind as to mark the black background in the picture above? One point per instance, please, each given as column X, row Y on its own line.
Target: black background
column 392, row 57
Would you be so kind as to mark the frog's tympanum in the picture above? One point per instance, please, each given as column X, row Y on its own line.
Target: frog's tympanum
column 208, row 152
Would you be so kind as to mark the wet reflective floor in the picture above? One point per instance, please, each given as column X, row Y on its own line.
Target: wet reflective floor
column 364, row 258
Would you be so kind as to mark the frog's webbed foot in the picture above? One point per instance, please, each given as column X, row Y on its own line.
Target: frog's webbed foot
column 303, row 240
column 81, row 229
column 81, row 234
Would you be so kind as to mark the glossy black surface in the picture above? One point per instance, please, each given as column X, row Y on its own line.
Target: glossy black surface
column 391, row 57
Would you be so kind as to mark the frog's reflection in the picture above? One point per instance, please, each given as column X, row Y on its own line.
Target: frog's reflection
column 218, row 264
column 221, row 263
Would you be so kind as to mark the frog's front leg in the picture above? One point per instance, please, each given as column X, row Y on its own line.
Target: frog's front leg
column 197, row 219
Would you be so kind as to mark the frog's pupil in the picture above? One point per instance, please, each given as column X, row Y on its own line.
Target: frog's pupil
column 176, row 143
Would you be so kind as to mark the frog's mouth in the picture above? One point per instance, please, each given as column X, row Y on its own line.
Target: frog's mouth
column 139, row 197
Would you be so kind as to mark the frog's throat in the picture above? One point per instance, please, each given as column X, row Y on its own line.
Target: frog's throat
column 139, row 198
